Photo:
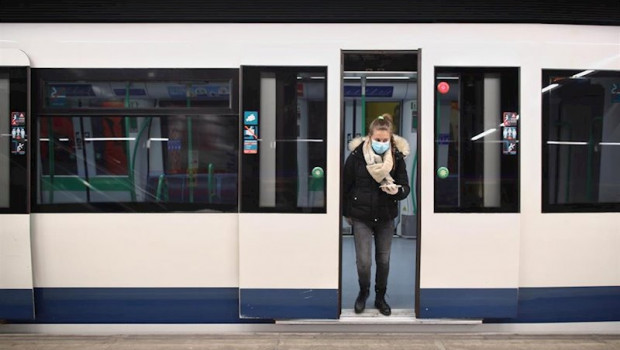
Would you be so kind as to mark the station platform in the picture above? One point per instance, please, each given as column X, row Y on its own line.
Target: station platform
column 301, row 341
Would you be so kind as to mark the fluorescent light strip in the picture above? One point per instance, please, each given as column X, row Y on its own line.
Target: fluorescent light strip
column 44, row 139
column 158, row 139
column 569, row 143
column 609, row 143
column 583, row 74
column 109, row 139
column 389, row 78
column 300, row 140
column 483, row 134
column 121, row 42
column 382, row 78
column 63, row 139
column 500, row 141
column 550, row 87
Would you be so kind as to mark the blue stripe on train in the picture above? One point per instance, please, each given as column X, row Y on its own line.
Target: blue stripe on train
column 467, row 303
column 290, row 303
column 221, row 305
column 524, row 305
column 180, row 305
column 567, row 304
column 16, row 304
column 137, row 305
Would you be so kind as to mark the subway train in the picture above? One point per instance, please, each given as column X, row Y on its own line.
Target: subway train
column 191, row 173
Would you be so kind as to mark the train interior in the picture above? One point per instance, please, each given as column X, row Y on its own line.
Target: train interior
column 374, row 84
column 140, row 158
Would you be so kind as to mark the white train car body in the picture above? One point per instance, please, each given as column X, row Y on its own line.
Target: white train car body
column 236, row 266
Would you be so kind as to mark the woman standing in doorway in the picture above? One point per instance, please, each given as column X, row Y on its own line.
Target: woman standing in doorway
column 375, row 179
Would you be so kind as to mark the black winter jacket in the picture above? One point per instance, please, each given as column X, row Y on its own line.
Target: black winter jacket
column 363, row 199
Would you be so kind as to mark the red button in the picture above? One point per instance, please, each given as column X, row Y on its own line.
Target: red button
column 443, row 87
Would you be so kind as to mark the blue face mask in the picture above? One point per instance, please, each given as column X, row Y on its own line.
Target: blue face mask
column 380, row 147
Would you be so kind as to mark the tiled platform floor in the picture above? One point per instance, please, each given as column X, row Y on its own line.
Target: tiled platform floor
column 301, row 341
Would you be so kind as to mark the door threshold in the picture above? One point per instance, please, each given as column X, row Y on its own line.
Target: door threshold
column 373, row 317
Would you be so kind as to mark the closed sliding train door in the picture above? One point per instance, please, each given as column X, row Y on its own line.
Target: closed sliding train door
column 470, row 244
column 16, row 287
column 288, row 245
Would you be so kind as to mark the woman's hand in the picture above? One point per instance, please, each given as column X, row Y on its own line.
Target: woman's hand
column 390, row 188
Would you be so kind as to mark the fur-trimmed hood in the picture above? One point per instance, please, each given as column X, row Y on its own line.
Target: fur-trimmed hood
column 401, row 144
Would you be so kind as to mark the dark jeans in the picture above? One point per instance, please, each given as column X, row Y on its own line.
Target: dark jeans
column 363, row 232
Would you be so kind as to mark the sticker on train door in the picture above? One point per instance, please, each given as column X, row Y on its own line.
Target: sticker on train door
column 250, row 118
column 18, row 147
column 18, row 133
column 250, row 147
column 250, row 132
column 510, row 119
column 509, row 133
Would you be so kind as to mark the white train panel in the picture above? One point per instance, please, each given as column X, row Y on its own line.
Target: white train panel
column 15, row 258
column 570, row 250
column 265, row 246
column 470, row 251
column 135, row 250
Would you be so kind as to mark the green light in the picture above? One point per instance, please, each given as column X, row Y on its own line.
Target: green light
column 443, row 172
column 317, row 172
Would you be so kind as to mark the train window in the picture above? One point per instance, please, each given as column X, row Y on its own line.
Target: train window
column 111, row 156
column 138, row 94
column 476, row 139
column 5, row 142
column 581, row 140
column 284, row 148
column 14, row 136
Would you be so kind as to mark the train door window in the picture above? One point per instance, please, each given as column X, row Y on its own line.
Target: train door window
column 137, row 140
column 476, row 139
column 284, row 132
column 5, row 142
column 13, row 141
column 581, row 140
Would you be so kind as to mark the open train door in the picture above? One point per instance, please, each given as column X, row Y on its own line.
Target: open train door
column 288, row 241
column 16, row 288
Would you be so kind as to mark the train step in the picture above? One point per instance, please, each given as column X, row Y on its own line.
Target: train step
column 372, row 316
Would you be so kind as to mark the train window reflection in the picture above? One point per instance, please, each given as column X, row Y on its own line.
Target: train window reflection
column 137, row 140
column 5, row 133
column 581, row 140
column 138, row 94
column 477, row 140
column 284, row 146
column 164, row 159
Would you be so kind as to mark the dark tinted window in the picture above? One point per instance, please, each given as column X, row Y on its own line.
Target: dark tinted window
column 14, row 140
column 138, row 94
column 581, row 140
column 101, row 151
column 284, row 139
column 476, row 140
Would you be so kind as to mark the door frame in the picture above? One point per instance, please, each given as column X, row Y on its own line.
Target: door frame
column 17, row 289
column 418, row 193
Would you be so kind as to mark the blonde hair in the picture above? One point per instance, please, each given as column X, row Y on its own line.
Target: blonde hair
column 382, row 122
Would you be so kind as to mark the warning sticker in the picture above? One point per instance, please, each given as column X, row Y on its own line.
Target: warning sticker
column 250, row 147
